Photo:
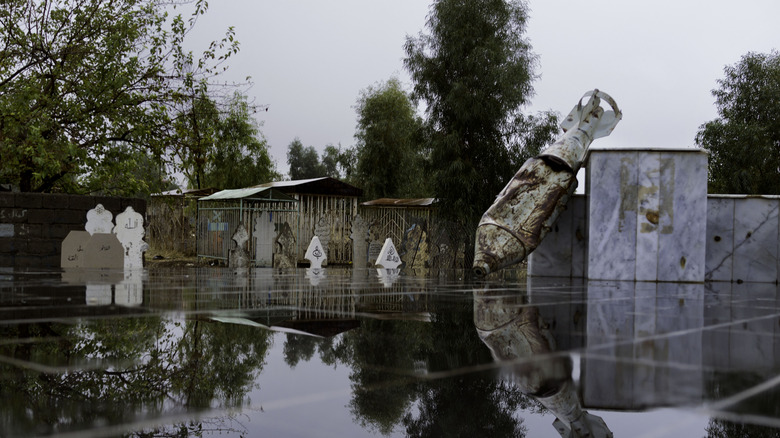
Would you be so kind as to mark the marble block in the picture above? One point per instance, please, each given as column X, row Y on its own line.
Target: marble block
column 719, row 260
column 755, row 239
column 562, row 251
column 73, row 253
column 103, row 250
column 646, row 214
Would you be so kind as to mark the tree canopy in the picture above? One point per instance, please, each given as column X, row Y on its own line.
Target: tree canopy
column 744, row 141
column 389, row 151
column 474, row 70
column 89, row 90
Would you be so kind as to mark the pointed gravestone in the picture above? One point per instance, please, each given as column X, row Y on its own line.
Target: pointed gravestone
column 239, row 257
column 264, row 235
column 129, row 230
column 103, row 250
column 74, row 248
column 388, row 256
column 99, row 220
column 322, row 232
column 284, row 248
column 359, row 243
column 315, row 253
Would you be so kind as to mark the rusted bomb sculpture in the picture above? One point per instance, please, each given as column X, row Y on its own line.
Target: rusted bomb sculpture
column 530, row 204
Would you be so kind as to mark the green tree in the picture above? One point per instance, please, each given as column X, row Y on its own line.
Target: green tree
column 744, row 141
column 473, row 70
column 389, row 158
column 240, row 155
column 304, row 161
column 85, row 84
column 331, row 161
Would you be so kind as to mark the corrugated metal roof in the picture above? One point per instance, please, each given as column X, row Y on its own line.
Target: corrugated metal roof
column 400, row 202
column 187, row 193
column 259, row 193
column 316, row 186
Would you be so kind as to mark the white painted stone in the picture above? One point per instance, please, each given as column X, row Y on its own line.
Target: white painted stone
column 73, row 253
column 648, row 216
column 264, row 235
column 129, row 230
column 388, row 256
column 315, row 254
column 99, row 220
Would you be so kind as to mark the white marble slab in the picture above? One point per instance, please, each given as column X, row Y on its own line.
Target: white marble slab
column 755, row 239
column 562, row 251
column 648, row 215
column 681, row 244
column 719, row 258
column 612, row 205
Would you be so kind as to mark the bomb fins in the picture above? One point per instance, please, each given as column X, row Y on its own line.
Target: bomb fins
column 529, row 205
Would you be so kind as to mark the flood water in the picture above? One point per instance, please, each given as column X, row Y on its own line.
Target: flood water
column 342, row 352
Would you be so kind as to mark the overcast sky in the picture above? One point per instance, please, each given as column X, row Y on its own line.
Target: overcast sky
column 309, row 60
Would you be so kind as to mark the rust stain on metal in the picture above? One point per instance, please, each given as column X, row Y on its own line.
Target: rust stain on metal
column 530, row 204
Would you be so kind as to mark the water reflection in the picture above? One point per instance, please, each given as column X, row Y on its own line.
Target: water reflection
column 511, row 327
column 422, row 356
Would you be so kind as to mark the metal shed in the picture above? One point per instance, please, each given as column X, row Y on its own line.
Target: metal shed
column 220, row 214
column 327, row 207
column 391, row 217
column 172, row 218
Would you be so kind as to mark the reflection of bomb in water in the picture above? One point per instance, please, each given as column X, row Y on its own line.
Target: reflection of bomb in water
column 529, row 205
column 512, row 330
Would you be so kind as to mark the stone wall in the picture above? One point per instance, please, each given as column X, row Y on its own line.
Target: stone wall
column 33, row 225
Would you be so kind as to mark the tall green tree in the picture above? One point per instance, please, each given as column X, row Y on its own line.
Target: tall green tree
column 744, row 141
column 85, row 84
column 303, row 161
column 473, row 70
column 239, row 157
column 389, row 154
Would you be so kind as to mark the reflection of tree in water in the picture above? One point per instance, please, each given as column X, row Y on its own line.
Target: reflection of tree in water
column 123, row 370
column 382, row 353
column 727, row 429
column 723, row 385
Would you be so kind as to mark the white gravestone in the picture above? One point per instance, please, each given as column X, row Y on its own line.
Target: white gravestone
column 388, row 256
column 129, row 230
column 130, row 291
column 99, row 220
column 359, row 242
column 264, row 235
column 315, row 253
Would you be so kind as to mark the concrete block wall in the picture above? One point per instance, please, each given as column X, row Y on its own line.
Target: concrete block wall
column 33, row 225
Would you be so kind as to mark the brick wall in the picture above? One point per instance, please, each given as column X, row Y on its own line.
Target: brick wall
column 33, row 225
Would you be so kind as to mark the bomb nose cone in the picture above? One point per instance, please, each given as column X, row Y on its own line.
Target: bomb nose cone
column 496, row 248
